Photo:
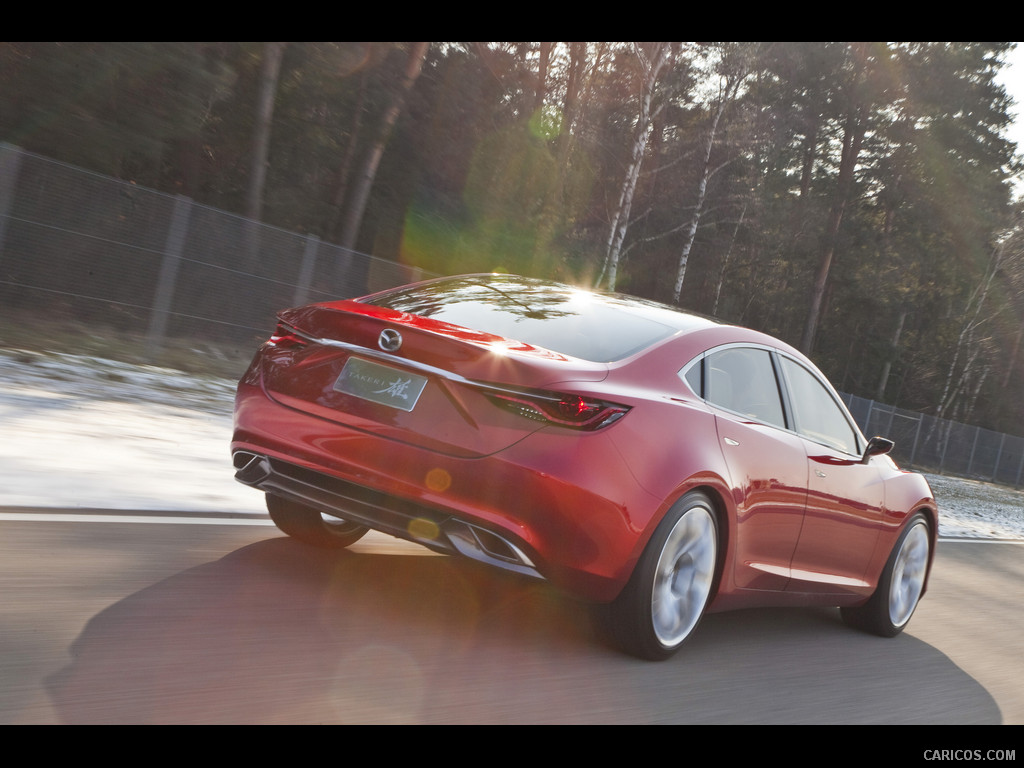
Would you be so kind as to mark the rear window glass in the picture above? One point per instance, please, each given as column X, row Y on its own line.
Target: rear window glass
column 594, row 327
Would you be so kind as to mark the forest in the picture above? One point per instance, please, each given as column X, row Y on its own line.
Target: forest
column 852, row 198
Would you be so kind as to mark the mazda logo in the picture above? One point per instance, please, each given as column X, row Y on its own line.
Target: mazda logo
column 390, row 340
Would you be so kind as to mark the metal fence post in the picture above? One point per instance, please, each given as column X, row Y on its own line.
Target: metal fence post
column 944, row 432
column 173, row 247
column 917, row 438
column 999, row 456
column 10, row 163
column 306, row 271
column 974, row 447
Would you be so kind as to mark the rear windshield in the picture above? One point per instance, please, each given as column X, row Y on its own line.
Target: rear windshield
column 577, row 323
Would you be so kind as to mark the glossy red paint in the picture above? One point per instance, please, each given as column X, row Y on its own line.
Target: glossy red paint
column 559, row 456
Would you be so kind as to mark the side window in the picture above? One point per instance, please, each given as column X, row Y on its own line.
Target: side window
column 693, row 377
column 743, row 380
column 818, row 417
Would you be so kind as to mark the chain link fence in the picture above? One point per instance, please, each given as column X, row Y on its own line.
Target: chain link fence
column 95, row 250
column 932, row 444
column 83, row 247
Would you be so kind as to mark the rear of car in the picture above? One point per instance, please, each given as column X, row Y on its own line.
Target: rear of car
column 470, row 415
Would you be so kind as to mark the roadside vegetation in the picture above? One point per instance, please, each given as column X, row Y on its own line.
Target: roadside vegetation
column 852, row 198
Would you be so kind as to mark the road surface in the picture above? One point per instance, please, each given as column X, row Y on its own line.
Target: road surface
column 157, row 619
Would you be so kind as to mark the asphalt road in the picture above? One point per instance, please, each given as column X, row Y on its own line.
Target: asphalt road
column 126, row 622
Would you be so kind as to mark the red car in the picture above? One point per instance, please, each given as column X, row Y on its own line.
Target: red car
column 631, row 454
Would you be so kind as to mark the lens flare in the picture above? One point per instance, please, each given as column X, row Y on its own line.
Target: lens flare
column 438, row 480
column 422, row 529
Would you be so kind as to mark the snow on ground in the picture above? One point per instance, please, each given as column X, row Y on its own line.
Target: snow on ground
column 87, row 433
column 84, row 433
column 976, row 509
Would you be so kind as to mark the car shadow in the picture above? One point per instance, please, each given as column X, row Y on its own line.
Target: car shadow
column 279, row 632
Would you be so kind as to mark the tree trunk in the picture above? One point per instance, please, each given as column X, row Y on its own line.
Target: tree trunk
column 620, row 217
column 853, row 137
column 966, row 340
column 553, row 210
column 698, row 208
column 894, row 346
column 364, row 179
column 542, row 77
column 730, row 82
column 341, row 188
column 725, row 261
column 269, row 73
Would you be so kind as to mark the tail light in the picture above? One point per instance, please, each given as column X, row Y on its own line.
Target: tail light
column 284, row 336
column 567, row 410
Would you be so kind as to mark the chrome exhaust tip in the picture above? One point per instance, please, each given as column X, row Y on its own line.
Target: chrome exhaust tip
column 488, row 547
column 251, row 468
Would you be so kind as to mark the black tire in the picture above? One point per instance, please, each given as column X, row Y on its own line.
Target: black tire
column 308, row 525
column 671, row 586
column 900, row 586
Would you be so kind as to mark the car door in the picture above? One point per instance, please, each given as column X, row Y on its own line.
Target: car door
column 767, row 464
column 846, row 496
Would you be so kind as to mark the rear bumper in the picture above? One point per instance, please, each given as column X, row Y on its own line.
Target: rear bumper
column 557, row 505
column 424, row 525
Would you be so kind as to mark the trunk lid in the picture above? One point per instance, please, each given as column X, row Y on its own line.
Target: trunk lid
column 419, row 383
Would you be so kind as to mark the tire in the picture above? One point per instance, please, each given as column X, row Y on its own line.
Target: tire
column 308, row 525
column 665, row 598
column 900, row 587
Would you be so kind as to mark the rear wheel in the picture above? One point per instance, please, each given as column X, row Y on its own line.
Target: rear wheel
column 899, row 590
column 308, row 525
column 671, row 586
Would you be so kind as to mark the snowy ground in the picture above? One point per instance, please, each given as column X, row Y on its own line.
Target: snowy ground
column 87, row 433
column 84, row 433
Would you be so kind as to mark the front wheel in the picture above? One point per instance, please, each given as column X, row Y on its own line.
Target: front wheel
column 308, row 525
column 671, row 586
column 900, row 587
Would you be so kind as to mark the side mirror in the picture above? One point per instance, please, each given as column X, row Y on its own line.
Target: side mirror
column 877, row 446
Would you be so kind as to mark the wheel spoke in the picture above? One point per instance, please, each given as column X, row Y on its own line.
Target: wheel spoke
column 683, row 576
column 908, row 575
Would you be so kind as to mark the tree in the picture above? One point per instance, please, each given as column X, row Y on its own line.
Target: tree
column 846, row 197
column 116, row 108
column 269, row 73
column 734, row 63
column 371, row 160
column 863, row 88
column 651, row 59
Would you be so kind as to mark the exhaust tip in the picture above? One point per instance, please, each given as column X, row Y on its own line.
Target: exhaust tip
column 488, row 547
column 251, row 468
